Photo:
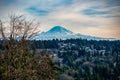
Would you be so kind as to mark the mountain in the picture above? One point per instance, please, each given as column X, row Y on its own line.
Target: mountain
column 59, row 32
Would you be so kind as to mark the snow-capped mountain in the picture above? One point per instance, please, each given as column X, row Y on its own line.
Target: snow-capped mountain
column 58, row 32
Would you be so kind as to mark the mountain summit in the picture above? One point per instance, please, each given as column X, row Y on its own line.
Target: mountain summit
column 59, row 32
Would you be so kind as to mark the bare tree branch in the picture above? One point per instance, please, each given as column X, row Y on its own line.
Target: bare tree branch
column 2, row 30
column 19, row 28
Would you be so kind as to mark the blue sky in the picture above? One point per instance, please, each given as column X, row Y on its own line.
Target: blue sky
column 92, row 17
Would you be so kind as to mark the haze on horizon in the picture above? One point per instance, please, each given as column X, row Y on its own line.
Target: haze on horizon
column 91, row 17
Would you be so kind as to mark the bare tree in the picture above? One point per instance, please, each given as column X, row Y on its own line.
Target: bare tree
column 17, row 62
column 18, row 28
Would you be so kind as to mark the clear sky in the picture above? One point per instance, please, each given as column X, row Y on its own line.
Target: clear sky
column 91, row 17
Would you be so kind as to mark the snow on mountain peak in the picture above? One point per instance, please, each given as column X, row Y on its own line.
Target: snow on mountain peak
column 59, row 30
